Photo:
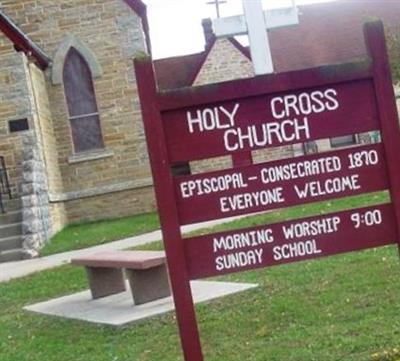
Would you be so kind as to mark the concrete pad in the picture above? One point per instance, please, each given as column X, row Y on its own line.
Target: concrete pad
column 119, row 310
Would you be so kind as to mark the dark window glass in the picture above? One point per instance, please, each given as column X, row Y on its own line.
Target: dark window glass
column 18, row 125
column 181, row 169
column 86, row 133
column 310, row 147
column 81, row 101
column 343, row 141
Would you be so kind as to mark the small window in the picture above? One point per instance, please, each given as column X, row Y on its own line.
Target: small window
column 343, row 141
column 82, row 106
column 310, row 148
column 18, row 125
column 180, row 169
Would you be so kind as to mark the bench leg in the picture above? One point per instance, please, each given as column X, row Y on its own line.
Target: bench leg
column 149, row 285
column 105, row 281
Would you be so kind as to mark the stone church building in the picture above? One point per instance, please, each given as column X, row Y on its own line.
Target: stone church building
column 71, row 133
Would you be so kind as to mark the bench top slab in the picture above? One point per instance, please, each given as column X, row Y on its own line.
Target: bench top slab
column 122, row 259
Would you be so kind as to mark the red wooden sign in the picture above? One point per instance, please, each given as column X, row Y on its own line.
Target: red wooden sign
column 237, row 117
column 272, row 120
column 293, row 241
column 281, row 184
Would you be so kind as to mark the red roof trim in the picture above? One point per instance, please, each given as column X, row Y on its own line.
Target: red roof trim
column 245, row 51
column 203, row 60
column 141, row 9
column 22, row 42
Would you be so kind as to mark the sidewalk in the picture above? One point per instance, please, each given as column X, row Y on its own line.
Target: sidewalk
column 11, row 270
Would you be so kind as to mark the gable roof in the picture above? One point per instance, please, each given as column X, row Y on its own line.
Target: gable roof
column 329, row 33
column 181, row 71
column 177, row 72
column 22, row 42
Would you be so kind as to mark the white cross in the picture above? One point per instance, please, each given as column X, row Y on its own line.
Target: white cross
column 255, row 22
column 217, row 3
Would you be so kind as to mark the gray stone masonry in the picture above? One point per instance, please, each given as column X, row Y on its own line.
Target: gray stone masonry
column 36, row 226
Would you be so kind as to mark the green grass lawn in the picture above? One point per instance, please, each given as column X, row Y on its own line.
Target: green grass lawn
column 94, row 233
column 339, row 308
column 301, row 211
column 79, row 236
column 286, row 214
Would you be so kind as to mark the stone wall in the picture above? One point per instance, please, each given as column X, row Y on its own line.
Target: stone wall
column 211, row 164
column 36, row 220
column 47, row 143
column 23, row 96
column 113, row 33
column 15, row 103
column 224, row 62
column 44, row 125
column 271, row 154
column 6, row 47
column 111, row 205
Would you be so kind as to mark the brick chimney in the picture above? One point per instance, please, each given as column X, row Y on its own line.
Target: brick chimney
column 209, row 35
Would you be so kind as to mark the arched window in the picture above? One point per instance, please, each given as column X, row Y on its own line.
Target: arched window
column 81, row 101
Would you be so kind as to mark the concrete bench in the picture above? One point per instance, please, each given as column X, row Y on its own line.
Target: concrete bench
column 145, row 270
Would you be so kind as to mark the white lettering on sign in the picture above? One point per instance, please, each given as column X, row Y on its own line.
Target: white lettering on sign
column 312, row 228
column 330, row 186
column 266, row 134
column 363, row 159
column 250, row 200
column 295, row 250
column 239, row 259
column 290, row 121
column 211, row 118
column 300, row 169
column 243, row 240
column 296, row 239
column 369, row 218
column 304, row 104
column 212, row 185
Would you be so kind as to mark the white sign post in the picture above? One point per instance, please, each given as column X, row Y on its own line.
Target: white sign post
column 254, row 23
